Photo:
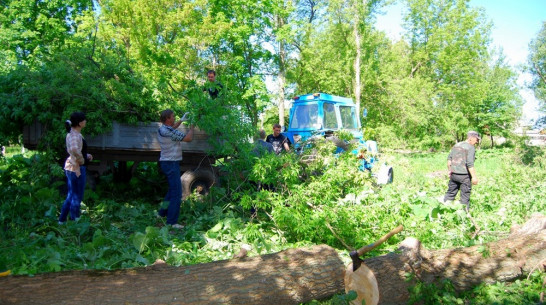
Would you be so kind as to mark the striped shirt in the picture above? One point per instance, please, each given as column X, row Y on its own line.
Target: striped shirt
column 170, row 141
column 74, row 145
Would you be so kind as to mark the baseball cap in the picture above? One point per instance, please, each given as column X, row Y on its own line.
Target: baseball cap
column 474, row 134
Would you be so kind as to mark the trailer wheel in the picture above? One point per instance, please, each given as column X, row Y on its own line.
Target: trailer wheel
column 198, row 181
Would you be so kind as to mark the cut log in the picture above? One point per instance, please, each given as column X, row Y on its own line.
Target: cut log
column 503, row 260
column 289, row 277
column 364, row 283
column 359, row 278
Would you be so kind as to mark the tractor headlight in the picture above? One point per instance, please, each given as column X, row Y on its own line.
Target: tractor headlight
column 297, row 138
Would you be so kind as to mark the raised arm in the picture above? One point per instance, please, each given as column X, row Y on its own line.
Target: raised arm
column 189, row 135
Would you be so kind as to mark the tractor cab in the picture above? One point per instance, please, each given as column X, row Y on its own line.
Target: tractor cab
column 320, row 115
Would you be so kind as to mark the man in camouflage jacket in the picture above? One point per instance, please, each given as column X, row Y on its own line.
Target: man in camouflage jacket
column 462, row 173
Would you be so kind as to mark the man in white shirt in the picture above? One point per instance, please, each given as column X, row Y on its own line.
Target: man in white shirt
column 170, row 141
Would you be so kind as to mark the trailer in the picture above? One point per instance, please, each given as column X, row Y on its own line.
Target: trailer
column 138, row 143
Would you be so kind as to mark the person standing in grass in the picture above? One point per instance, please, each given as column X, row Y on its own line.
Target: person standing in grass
column 75, row 166
column 462, row 174
column 170, row 141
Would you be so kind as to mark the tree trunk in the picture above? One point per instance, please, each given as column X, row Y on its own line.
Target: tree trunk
column 288, row 277
column 282, row 73
column 358, row 55
column 505, row 260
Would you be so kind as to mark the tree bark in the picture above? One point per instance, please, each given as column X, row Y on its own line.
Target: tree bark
column 358, row 55
column 289, row 277
column 282, row 76
column 505, row 260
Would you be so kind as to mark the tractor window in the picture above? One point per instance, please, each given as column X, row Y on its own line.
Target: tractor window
column 330, row 120
column 348, row 117
column 305, row 116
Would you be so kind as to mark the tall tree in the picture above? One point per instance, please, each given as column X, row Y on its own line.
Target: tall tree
column 284, row 35
column 168, row 41
column 537, row 65
column 498, row 111
column 31, row 31
column 242, row 53
column 448, row 41
column 363, row 17
column 66, row 69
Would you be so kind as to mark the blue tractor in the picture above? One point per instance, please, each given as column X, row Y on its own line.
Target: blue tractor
column 320, row 115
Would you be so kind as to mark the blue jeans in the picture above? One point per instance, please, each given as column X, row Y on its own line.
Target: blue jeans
column 76, row 187
column 171, row 169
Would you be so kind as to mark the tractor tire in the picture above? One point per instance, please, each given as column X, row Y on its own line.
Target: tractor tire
column 199, row 181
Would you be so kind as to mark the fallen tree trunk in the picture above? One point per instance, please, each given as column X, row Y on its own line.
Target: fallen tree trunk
column 288, row 277
column 504, row 260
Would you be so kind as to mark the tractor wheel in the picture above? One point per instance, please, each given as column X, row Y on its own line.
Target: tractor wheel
column 199, row 181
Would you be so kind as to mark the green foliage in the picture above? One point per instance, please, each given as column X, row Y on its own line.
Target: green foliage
column 432, row 93
column 135, row 59
column 297, row 202
column 432, row 294
column 128, row 60
column 30, row 186
column 522, row 291
column 537, row 65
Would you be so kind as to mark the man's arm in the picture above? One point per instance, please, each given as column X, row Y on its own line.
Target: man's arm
column 473, row 174
column 286, row 143
column 189, row 135
column 177, row 124
column 182, row 119
column 449, row 165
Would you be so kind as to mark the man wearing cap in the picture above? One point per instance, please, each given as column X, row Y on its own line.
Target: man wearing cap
column 462, row 173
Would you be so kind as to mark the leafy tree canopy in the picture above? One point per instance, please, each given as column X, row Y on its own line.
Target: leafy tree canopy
column 537, row 65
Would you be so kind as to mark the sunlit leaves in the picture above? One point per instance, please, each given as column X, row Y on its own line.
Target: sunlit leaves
column 537, row 65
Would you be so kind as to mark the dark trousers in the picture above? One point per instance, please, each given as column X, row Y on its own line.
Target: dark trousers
column 459, row 182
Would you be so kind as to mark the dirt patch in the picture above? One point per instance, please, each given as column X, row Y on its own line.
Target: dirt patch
column 437, row 174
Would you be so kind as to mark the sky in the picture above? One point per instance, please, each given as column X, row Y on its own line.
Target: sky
column 515, row 24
